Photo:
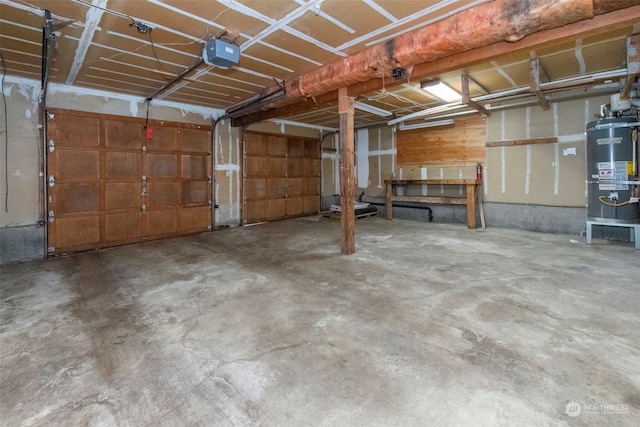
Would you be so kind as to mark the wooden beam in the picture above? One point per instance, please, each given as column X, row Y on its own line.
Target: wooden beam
column 590, row 27
column 467, row 100
column 515, row 142
column 537, row 76
column 633, row 64
column 347, row 159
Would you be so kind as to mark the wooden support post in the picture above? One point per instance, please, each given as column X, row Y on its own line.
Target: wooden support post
column 471, row 206
column 389, row 202
column 633, row 64
column 466, row 99
column 347, row 159
column 538, row 76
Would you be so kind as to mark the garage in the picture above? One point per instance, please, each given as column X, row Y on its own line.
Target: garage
column 319, row 212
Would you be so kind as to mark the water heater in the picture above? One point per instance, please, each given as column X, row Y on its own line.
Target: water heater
column 612, row 168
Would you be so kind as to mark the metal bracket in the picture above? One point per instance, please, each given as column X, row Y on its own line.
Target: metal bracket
column 51, row 216
column 52, row 181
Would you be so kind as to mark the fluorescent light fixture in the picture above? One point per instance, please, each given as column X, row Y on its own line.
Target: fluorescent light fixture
column 441, row 90
column 427, row 124
column 371, row 109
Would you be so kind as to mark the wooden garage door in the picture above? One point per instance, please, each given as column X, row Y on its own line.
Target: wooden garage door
column 111, row 182
column 282, row 177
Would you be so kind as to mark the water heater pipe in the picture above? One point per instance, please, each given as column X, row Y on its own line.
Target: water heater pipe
column 634, row 140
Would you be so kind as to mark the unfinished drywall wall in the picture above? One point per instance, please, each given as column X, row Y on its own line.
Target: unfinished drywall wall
column 551, row 174
column 21, row 237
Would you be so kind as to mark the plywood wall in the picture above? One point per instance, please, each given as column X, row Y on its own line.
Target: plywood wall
column 459, row 144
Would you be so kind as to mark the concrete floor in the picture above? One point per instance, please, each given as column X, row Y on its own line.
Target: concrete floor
column 427, row 324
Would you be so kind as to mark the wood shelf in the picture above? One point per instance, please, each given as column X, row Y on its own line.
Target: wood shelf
column 472, row 198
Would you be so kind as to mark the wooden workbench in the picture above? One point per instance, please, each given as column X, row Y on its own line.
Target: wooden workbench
column 473, row 195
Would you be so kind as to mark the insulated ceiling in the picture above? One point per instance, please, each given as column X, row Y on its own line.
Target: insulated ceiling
column 100, row 45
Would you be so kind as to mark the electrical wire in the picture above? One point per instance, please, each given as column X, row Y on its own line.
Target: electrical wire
column 113, row 12
column 601, row 198
column 6, row 136
column 146, row 121
column 155, row 54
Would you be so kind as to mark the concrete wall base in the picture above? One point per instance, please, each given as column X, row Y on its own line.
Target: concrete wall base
column 548, row 219
column 25, row 243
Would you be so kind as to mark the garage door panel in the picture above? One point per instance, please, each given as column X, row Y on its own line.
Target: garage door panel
column 277, row 146
column 75, row 131
column 120, row 164
column 162, row 222
column 162, row 166
column 257, row 166
column 76, row 231
column 163, row 193
column 255, row 145
column 294, row 206
column 125, row 195
column 123, row 226
column 295, row 148
column 277, row 167
column 195, row 140
column 77, row 197
column 311, row 167
column 193, row 219
column 195, row 192
column 295, row 167
column 276, row 208
column 255, row 188
column 164, row 138
column 310, row 205
column 276, row 188
column 123, row 135
column 311, row 150
column 311, row 186
column 256, row 211
column 194, row 166
column 295, row 187
column 77, row 164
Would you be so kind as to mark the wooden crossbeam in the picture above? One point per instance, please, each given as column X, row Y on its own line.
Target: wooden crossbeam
column 467, row 100
column 537, row 76
column 515, row 142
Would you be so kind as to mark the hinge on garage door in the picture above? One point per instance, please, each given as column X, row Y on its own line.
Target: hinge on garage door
column 51, row 216
column 51, row 146
column 52, row 181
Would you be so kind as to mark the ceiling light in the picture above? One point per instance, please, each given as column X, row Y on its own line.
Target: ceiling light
column 441, row 90
column 427, row 124
column 371, row 109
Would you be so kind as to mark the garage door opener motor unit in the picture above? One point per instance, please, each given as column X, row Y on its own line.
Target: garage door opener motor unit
column 221, row 53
